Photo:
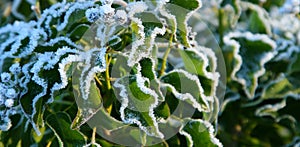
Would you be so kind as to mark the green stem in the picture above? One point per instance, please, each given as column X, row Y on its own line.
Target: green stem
column 98, row 81
column 108, row 99
column 165, row 57
column 94, row 135
column 107, row 77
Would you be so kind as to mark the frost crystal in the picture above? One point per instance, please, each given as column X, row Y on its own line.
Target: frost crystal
column 9, row 103
column 11, row 93
column 100, row 59
column 92, row 14
column 121, row 16
column 15, row 68
column 5, row 77
column 107, row 12
column 1, row 99
column 5, row 124
column 291, row 6
column 106, row 2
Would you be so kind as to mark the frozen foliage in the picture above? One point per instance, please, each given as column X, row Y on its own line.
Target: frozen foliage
column 159, row 63
column 245, row 72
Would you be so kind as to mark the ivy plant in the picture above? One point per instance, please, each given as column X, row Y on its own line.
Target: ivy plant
column 149, row 73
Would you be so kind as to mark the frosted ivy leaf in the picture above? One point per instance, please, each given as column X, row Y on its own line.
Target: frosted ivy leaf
column 146, row 26
column 193, row 94
column 178, row 14
column 197, row 61
column 270, row 110
column 94, row 63
column 282, row 87
column 233, row 10
column 138, row 98
column 250, row 53
column 199, row 133
column 87, row 108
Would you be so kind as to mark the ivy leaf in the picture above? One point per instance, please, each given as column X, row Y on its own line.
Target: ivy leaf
column 295, row 62
column 199, row 133
column 234, row 4
column 32, row 106
column 258, row 21
column 250, row 52
column 140, row 105
column 73, row 15
column 78, row 32
column 282, row 87
column 150, row 22
column 198, row 63
column 232, row 14
column 145, row 28
column 87, row 108
column 17, row 134
column 94, row 62
column 186, row 87
column 181, row 11
column 60, row 124
column 139, row 98
column 270, row 110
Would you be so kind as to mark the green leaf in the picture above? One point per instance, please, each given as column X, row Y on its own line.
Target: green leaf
column 33, row 106
column 199, row 133
column 295, row 62
column 193, row 63
column 17, row 134
column 86, row 108
column 186, row 87
column 162, row 111
column 230, row 15
column 140, row 105
column 150, row 22
column 202, row 64
column 182, row 10
column 60, row 124
column 250, row 52
column 234, row 4
column 258, row 21
column 78, row 32
column 282, row 87
column 139, row 96
column 270, row 110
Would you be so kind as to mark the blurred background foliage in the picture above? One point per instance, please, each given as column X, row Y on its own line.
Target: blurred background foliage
column 242, row 121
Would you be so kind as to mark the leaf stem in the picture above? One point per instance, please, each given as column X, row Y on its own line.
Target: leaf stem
column 107, row 77
column 36, row 9
column 98, row 81
column 93, row 141
column 108, row 97
column 165, row 57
